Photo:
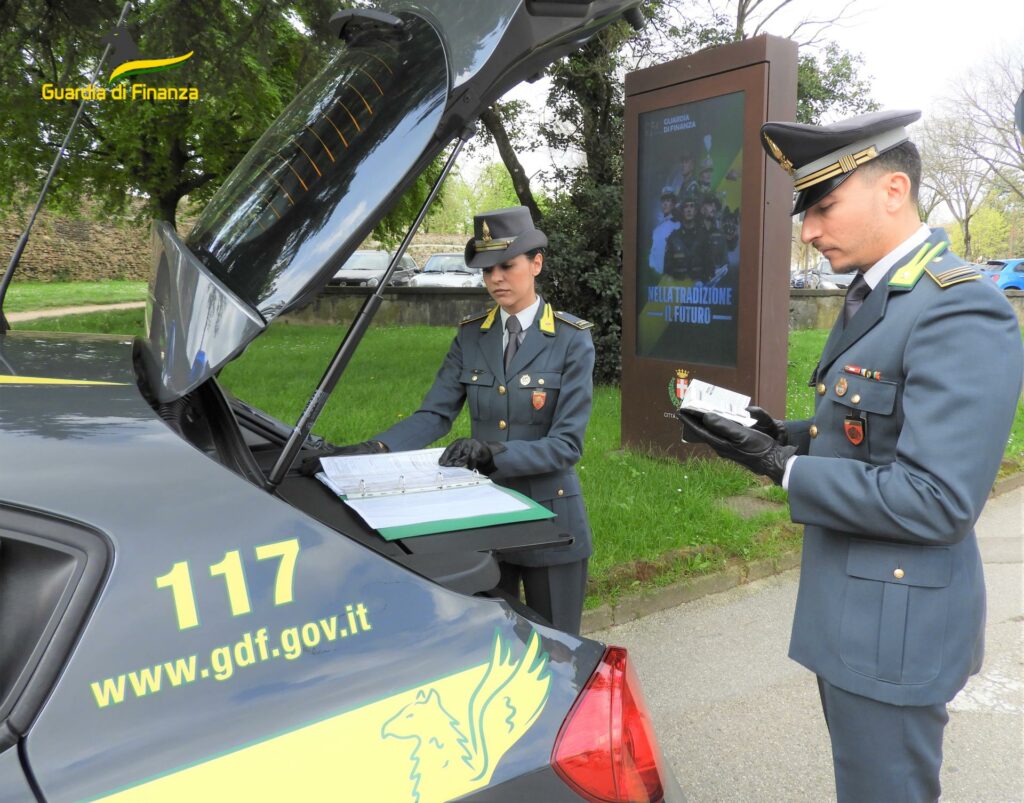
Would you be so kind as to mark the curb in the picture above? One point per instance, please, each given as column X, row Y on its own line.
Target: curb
column 631, row 608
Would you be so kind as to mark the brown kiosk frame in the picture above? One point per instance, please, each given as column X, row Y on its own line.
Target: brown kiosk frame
column 765, row 70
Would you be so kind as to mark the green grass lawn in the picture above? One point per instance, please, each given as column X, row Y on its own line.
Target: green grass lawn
column 22, row 296
column 654, row 519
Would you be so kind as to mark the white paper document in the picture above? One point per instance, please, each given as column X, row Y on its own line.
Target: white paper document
column 706, row 398
column 364, row 475
column 382, row 512
column 405, row 494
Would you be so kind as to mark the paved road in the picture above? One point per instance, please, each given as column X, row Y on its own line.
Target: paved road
column 739, row 721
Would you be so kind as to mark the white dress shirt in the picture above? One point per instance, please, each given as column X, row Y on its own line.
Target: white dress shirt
column 525, row 317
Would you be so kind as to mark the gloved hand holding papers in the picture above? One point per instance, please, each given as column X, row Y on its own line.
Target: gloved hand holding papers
column 703, row 397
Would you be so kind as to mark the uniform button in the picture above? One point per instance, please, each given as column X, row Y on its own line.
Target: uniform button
column 502, row 424
column 855, row 398
column 501, row 389
column 813, row 431
column 561, row 492
column 540, row 381
column 821, row 389
column 898, row 574
column 475, row 377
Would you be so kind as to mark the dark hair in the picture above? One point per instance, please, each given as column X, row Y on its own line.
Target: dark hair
column 533, row 252
column 904, row 158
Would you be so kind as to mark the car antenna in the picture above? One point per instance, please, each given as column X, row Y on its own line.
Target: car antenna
column 354, row 335
column 5, row 282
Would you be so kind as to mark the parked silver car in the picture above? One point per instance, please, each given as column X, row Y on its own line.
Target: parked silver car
column 365, row 269
column 447, row 270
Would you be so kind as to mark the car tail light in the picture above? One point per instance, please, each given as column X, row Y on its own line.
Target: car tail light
column 606, row 750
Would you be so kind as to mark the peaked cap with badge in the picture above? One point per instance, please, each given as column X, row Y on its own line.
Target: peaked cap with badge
column 502, row 234
column 820, row 158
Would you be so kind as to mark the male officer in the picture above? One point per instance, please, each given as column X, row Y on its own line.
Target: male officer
column 527, row 372
column 915, row 395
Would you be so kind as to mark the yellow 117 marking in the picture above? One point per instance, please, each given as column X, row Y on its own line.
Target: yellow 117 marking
column 179, row 581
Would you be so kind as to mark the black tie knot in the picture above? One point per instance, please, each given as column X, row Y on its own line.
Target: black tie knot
column 855, row 295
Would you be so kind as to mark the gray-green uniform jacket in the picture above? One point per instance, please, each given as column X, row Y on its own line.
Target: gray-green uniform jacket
column 914, row 403
column 539, row 411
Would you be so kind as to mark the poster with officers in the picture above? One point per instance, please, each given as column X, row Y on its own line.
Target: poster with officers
column 688, row 255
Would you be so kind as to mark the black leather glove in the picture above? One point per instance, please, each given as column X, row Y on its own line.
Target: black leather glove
column 772, row 427
column 311, row 465
column 471, row 453
column 748, row 447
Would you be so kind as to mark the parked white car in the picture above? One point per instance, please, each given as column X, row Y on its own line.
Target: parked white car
column 447, row 270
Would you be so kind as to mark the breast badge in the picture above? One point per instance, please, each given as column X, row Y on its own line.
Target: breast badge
column 538, row 398
column 855, row 428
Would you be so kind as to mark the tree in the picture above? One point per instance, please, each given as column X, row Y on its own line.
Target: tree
column 583, row 120
column 986, row 98
column 953, row 172
column 990, row 235
column 250, row 59
column 829, row 84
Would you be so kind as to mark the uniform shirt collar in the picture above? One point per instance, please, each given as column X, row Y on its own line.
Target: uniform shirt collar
column 525, row 316
column 877, row 272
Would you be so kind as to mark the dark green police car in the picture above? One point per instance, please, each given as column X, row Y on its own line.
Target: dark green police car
column 183, row 615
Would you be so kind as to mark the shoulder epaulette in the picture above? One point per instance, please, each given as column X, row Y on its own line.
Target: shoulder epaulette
column 572, row 320
column 479, row 316
column 907, row 276
column 960, row 273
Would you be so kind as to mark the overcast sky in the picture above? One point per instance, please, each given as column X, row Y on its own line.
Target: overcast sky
column 913, row 50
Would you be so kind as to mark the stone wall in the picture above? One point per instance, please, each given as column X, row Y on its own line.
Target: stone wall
column 88, row 248
column 446, row 306
column 62, row 249
column 401, row 306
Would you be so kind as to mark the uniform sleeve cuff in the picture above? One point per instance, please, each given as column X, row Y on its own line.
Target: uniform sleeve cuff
column 789, row 468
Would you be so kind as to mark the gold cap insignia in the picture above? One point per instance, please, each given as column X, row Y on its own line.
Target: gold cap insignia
column 487, row 231
column 682, row 373
column 778, row 155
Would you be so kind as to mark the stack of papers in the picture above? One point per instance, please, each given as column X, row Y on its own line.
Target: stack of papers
column 405, row 494
column 706, row 398
column 394, row 472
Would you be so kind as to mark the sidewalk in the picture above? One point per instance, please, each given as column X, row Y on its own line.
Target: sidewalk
column 57, row 312
column 739, row 721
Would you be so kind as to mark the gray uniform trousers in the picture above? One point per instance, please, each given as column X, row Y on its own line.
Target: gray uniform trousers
column 539, row 411
column 914, row 402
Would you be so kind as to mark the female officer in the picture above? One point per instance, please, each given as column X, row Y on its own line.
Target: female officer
column 527, row 372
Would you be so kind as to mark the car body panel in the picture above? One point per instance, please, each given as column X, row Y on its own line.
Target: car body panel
column 249, row 707
column 1008, row 274
column 14, row 786
column 447, row 270
column 367, row 267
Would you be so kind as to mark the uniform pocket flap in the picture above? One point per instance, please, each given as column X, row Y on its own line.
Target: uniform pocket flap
column 552, row 486
column 476, row 377
column 541, row 381
column 904, row 564
column 861, row 393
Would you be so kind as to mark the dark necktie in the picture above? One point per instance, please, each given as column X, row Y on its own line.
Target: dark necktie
column 855, row 295
column 513, row 327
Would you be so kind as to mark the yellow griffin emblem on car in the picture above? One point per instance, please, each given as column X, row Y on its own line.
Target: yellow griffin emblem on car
column 438, row 741
column 453, row 755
